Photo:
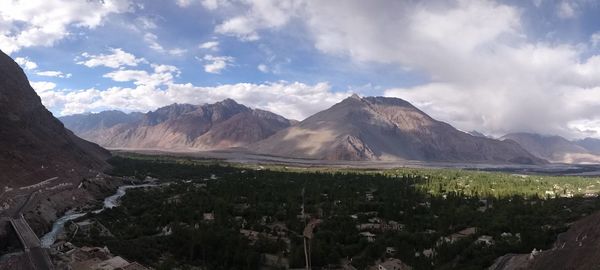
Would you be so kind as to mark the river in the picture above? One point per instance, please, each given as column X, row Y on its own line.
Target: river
column 109, row 202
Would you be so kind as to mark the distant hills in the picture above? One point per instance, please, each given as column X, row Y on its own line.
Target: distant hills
column 35, row 145
column 557, row 148
column 590, row 144
column 372, row 128
column 176, row 127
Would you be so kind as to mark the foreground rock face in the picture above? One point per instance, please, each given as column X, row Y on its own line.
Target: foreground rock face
column 35, row 145
column 578, row 248
column 379, row 128
column 220, row 125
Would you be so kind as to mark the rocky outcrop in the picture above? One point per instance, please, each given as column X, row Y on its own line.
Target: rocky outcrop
column 35, row 145
column 577, row 248
column 379, row 128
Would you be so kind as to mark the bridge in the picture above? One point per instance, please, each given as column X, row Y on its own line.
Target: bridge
column 38, row 257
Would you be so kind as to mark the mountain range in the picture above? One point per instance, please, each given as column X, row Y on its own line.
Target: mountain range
column 35, row 145
column 370, row 128
column 179, row 127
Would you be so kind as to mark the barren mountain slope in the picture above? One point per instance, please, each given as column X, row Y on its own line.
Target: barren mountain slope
column 189, row 127
column 379, row 128
column 34, row 144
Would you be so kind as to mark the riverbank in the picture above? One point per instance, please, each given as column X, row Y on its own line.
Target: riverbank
column 109, row 202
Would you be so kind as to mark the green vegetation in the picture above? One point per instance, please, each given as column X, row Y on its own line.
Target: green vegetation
column 258, row 212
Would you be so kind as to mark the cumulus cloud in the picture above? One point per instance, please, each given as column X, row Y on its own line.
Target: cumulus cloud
column 208, row 4
column 43, row 23
column 155, row 87
column 146, row 23
column 161, row 74
column 260, row 14
column 184, row 3
column 566, row 9
column 216, row 64
column 595, row 39
column 25, row 63
column 263, row 68
column 115, row 59
column 53, row 73
column 484, row 70
column 210, row 45
column 152, row 41
column 42, row 86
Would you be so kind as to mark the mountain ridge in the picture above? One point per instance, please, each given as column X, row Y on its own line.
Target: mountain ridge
column 220, row 125
column 381, row 128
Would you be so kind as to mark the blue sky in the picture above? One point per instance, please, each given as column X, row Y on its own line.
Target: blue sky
column 493, row 66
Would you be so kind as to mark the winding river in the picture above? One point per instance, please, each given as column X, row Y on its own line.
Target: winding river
column 109, row 202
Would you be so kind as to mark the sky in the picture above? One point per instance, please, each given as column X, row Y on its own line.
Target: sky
column 491, row 66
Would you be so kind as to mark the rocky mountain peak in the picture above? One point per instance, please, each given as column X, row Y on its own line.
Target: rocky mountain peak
column 383, row 128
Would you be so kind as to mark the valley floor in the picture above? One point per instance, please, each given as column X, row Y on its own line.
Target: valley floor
column 217, row 215
column 244, row 157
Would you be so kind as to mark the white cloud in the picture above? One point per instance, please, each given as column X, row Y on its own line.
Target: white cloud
column 214, row 4
column 156, row 88
column 595, row 39
column 261, row 14
column 42, row 86
column 152, row 41
column 216, row 64
column 263, row 68
column 566, row 9
column 210, row 45
column 43, row 23
column 161, row 74
column 485, row 71
column 146, row 23
column 208, row 4
column 52, row 73
column 25, row 63
column 184, row 3
column 116, row 59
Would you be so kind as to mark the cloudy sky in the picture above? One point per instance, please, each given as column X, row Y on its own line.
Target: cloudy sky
column 491, row 66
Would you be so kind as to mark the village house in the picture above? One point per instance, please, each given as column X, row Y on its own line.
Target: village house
column 428, row 253
column 485, row 239
column 368, row 226
column 208, row 217
column 457, row 236
column 375, row 220
column 369, row 236
column 394, row 226
column 251, row 235
column 393, row 264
